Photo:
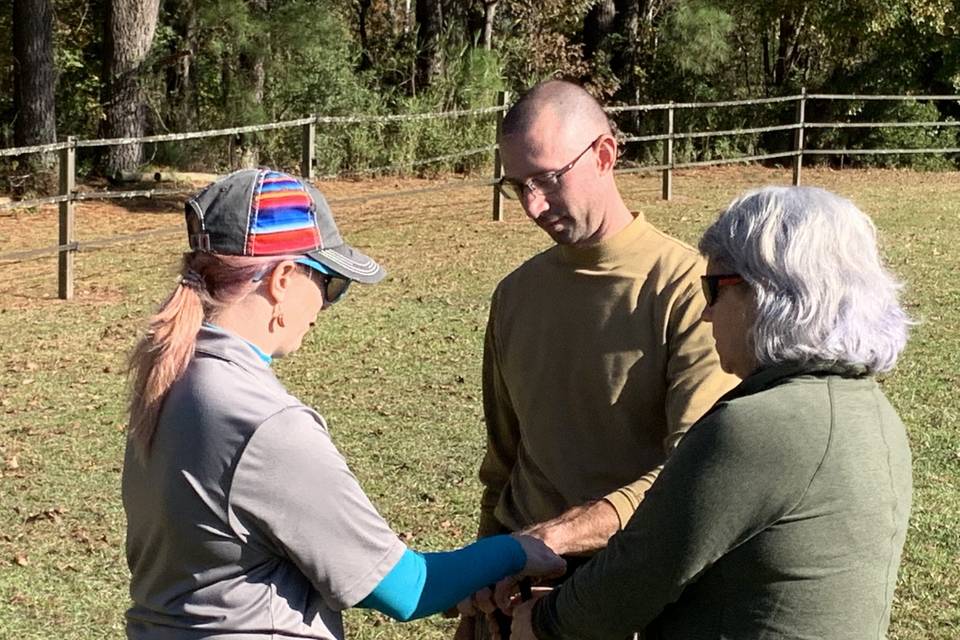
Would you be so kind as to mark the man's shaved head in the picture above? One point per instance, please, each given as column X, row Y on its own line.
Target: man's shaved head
column 566, row 102
column 558, row 155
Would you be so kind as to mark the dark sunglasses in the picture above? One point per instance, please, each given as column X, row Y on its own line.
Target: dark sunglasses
column 711, row 285
column 333, row 286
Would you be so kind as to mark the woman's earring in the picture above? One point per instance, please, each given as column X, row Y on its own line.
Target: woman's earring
column 278, row 316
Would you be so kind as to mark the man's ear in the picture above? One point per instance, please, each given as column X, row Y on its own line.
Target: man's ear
column 607, row 153
column 280, row 280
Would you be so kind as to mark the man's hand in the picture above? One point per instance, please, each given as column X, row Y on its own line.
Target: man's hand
column 522, row 626
column 581, row 529
column 466, row 629
column 474, row 609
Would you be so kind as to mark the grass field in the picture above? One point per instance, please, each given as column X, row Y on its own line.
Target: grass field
column 396, row 370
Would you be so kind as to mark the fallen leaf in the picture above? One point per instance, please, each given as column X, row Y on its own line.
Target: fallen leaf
column 48, row 514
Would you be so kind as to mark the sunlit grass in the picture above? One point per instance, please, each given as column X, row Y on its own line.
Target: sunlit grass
column 396, row 370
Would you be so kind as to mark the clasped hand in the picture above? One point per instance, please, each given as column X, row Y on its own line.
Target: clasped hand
column 542, row 562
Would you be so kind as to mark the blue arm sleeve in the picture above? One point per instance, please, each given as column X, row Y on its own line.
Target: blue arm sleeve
column 420, row 585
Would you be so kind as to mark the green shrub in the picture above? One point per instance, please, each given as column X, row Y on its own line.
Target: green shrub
column 904, row 137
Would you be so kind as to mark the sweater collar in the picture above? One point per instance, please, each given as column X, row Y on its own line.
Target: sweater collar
column 609, row 251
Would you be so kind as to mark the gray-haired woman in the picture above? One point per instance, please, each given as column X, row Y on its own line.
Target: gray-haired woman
column 784, row 510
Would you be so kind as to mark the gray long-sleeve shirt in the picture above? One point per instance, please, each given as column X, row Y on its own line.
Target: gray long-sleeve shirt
column 781, row 514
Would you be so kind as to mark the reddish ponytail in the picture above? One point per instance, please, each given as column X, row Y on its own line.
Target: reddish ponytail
column 208, row 284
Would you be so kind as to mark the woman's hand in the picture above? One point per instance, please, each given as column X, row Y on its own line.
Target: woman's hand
column 480, row 605
column 522, row 626
column 542, row 562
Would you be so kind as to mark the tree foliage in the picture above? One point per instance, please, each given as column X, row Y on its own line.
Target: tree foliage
column 223, row 63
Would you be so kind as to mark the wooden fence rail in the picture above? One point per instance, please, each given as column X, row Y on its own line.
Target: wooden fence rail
column 68, row 246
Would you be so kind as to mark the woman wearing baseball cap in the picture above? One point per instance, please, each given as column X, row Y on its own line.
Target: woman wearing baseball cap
column 243, row 519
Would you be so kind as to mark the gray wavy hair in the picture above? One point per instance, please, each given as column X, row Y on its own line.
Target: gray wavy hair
column 820, row 288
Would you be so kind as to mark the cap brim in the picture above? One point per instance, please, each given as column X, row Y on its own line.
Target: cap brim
column 349, row 262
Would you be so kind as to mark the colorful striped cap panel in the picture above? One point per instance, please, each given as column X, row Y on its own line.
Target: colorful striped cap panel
column 281, row 217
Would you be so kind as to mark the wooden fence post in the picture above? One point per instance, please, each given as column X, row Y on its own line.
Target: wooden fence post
column 502, row 97
column 798, row 138
column 667, row 193
column 309, row 140
column 65, row 256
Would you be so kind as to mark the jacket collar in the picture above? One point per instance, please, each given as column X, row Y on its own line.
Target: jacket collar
column 219, row 343
column 774, row 375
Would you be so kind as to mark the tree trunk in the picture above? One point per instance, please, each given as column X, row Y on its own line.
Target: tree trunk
column 253, row 68
column 597, row 25
column 391, row 16
column 129, row 36
column 363, row 9
column 35, row 81
column 767, row 68
column 788, row 49
column 785, row 32
column 632, row 53
column 180, row 83
column 253, row 71
column 429, row 51
column 489, row 13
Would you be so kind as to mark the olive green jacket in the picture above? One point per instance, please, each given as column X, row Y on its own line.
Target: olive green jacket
column 781, row 514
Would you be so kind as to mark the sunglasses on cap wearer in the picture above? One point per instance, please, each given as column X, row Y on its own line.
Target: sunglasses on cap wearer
column 711, row 285
column 333, row 285
column 547, row 182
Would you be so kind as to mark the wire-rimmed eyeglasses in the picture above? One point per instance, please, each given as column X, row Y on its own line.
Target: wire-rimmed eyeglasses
column 547, row 182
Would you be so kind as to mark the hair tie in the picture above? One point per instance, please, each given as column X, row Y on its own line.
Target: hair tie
column 193, row 280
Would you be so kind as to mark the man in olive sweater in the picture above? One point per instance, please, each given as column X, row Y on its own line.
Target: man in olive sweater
column 595, row 360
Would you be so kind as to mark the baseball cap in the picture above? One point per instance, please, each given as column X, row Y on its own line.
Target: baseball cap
column 261, row 212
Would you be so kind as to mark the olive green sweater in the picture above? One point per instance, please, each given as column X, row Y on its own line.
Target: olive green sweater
column 595, row 363
column 781, row 514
